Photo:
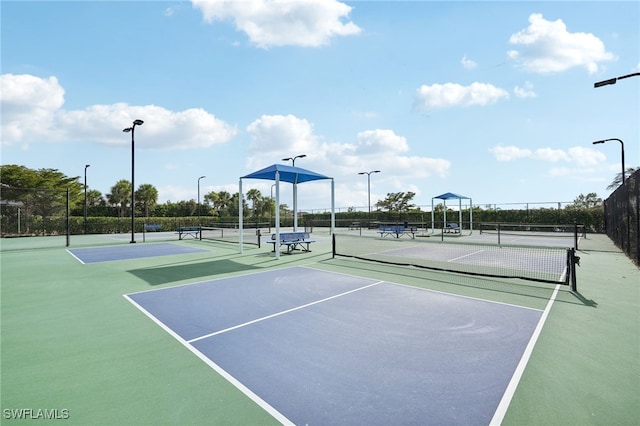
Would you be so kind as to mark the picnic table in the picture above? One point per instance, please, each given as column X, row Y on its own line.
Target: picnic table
column 397, row 231
column 293, row 240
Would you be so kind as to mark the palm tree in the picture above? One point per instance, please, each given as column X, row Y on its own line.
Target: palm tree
column 617, row 181
column 254, row 196
column 223, row 202
column 211, row 199
column 120, row 195
column 147, row 194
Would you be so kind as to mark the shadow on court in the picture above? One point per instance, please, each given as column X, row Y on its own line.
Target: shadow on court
column 172, row 273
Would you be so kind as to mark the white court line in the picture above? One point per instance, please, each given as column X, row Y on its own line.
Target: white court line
column 501, row 411
column 235, row 382
column 281, row 313
column 76, row 257
column 466, row 255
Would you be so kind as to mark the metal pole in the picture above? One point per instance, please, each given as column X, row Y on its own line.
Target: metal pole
column 133, row 186
column 295, row 191
column 85, row 197
column 201, row 177
column 622, row 156
column 369, row 190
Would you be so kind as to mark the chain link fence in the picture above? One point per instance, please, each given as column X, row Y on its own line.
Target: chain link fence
column 622, row 219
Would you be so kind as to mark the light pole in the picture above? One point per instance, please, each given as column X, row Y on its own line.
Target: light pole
column 201, row 177
column 295, row 191
column 622, row 147
column 369, row 189
column 614, row 80
column 85, row 197
column 133, row 187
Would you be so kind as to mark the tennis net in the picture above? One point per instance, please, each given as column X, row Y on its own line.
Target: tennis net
column 554, row 265
column 570, row 233
column 231, row 235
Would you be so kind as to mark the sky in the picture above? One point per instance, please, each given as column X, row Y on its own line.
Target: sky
column 491, row 100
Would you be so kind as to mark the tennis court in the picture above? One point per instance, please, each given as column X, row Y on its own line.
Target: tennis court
column 131, row 251
column 211, row 336
column 315, row 347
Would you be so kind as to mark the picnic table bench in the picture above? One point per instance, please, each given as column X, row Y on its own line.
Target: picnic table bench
column 452, row 228
column 396, row 231
column 152, row 227
column 355, row 225
column 293, row 240
column 185, row 231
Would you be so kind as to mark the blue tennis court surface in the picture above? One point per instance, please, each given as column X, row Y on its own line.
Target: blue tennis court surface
column 132, row 251
column 315, row 347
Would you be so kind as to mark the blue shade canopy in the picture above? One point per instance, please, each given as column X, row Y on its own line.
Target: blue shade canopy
column 287, row 174
column 451, row 196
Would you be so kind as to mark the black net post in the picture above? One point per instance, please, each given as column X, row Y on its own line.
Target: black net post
column 333, row 245
column 573, row 261
column 575, row 235
column 259, row 236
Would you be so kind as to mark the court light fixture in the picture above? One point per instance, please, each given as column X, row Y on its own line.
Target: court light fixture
column 622, row 147
column 131, row 129
column 614, row 80
column 369, row 189
column 295, row 191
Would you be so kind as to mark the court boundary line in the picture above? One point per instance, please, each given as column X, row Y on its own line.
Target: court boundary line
column 131, row 258
column 221, row 371
column 509, row 393
column 75, row 257
column 277, row 314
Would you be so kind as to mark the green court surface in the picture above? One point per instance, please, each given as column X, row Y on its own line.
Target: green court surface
column 74, row 350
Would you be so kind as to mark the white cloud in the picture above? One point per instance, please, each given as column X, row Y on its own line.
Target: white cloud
column 452, row 94
column 380, row 142
column 308, row 23
column 278, row 136
column 509, row 153
column 577, row 155
column 468, row 63
column 29, row 105
column 32, row 107
column 525, row 92
column 548, row 47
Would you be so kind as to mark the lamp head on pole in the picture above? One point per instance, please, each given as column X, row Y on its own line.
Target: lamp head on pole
column 87, row 165
column 138, row 122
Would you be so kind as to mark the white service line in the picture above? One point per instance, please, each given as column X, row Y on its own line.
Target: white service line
column 281, row 313
column 498, row 416
column 466, row 255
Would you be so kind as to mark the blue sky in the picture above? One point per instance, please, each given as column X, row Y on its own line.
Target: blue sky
column 491, row 100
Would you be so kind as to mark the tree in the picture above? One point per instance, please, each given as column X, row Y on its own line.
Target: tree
column 120, row 195
column 397, row 201
column 211, row 199
column 39, row 193
column 222, row 203
column 254, row 196
column 147, row 194
column 617, row 181
column 94, row 198
column 587, row 201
